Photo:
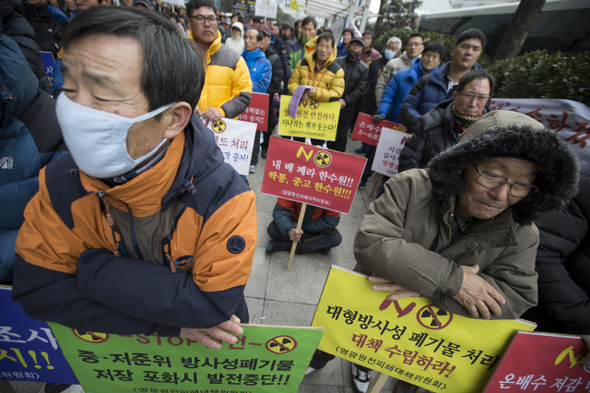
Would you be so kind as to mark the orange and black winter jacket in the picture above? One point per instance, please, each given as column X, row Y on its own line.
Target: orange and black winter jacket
column 98, row 258
column 316, row 220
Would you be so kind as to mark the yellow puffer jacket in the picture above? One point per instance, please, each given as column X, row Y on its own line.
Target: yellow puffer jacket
column 328, row 81
column 228, row 86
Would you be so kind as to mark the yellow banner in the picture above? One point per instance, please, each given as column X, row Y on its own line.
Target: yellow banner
column 314, row 119
column 410, row 339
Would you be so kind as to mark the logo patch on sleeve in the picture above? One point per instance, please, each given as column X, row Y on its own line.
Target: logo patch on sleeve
column 236, row 244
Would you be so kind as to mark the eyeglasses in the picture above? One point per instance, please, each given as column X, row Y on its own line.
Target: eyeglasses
column 493, row 180
column 415, row 43
column 200, row 19
column 479, row 97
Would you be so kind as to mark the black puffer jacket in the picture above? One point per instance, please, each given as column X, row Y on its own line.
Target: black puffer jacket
column 48, row 30
column 433, row 134
column 277, row 72
column 356, row 75
column 14, row 25
column 563, row 265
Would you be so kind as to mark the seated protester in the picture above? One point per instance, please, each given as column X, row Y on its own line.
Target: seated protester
column 563, row 261
column 440, row 128
column 31, row 138
column 397, row 89
column 319, row 70
column 318, row 232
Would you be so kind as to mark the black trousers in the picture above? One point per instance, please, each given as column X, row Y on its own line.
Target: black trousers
column 309, row 242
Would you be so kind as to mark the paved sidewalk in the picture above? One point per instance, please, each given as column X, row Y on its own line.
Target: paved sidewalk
column 277, row 296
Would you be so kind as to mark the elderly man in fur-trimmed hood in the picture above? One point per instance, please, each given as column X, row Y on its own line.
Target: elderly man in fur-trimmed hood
column 461, row 232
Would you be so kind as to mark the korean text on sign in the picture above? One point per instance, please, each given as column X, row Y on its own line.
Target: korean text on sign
column 303, row 173
column 366, row 130
column 257, row 111
column 314, row 119
column 410, row 339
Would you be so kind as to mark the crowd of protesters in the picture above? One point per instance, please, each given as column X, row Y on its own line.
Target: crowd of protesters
column 408, row 83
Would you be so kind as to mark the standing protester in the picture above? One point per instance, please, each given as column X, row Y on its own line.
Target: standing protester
column 393, row 48
column 342, row 47
column 296, row 50
column 356, row 75
column 399, row 86
column 319, row 70
column 414, row 47
column 442, row 127
column 123, row 242
column 260, row 73
column 273, row 88
column 369, row 53
column 227, row 90
column 236, row 41
column 440, row 85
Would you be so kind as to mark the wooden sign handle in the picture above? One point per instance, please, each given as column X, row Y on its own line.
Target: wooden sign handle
column 299, row 225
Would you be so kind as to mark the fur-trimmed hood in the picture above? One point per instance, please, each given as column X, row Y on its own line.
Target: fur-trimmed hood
column 510, row 134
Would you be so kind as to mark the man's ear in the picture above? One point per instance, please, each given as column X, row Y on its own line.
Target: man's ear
column 177, row 117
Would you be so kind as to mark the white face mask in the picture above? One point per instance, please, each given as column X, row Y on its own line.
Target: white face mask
column 388, row 54
column 97, row 140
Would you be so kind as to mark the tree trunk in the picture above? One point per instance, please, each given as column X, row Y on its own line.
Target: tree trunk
column 516, row 33
column 382, row 9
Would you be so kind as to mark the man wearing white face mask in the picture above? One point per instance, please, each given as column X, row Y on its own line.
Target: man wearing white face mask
column 143, row 229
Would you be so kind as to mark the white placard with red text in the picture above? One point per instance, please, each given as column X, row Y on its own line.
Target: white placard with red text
column 235, row 139
column 389, row 148
column 569, row 119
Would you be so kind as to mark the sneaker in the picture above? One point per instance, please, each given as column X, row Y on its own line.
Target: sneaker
column 252, row 168
column 361, row 149
column 360, row 379
column 362, row 185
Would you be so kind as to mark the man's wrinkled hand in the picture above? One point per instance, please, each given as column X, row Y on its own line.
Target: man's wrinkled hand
column 225, row 331
column 477, row 295
column 586, row 359
column 295, row 234
column 212, row 114
column 384, row 285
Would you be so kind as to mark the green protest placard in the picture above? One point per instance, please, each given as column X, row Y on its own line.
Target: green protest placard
column 265, row 359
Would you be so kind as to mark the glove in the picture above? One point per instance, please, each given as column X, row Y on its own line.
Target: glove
column 586, row 359
column 378, row 117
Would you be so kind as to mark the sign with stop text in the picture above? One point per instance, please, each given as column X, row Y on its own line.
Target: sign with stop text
column 235, row 139
column 266, row 359
column 314, row 119
column 366, row 130
column 257, row 111
column 308, row 174
column 409, row 339
column 542, row 362
column 389, row 148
